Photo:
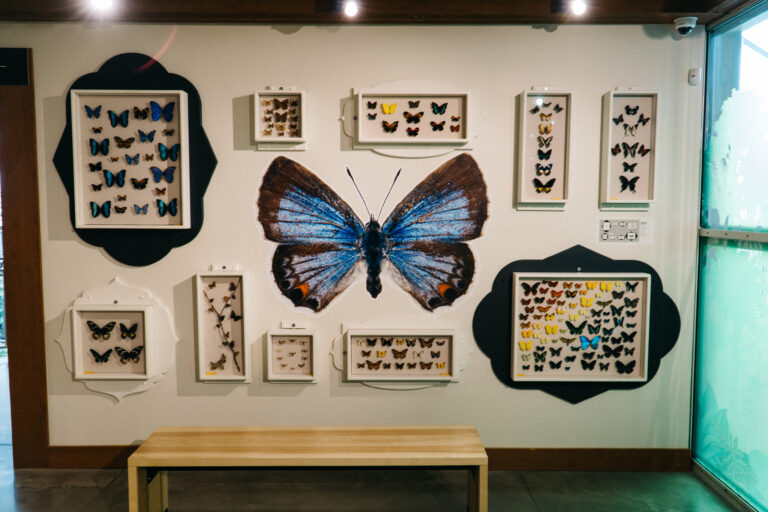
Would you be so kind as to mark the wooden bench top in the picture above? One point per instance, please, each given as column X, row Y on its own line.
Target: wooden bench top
column 310, row 446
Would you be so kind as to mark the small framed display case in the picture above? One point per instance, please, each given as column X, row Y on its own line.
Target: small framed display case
column 112, row 342
column 580, row 327
column 542, row 162
column 223, row 347
column 411, row 117
column 291, row 356
column 628, row 163
column 279, row 117
column 399, row 355
column 131, row 159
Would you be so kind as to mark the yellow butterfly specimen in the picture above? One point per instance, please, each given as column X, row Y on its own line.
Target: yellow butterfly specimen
column 598, row 294
column 544, row 340
column 545, row 117
column 582, row 311
column 586, row 302
column 400, row 342
column 583, row 292
column 537, row 335
column 560, row 311
column 551, row 329
column 536, row 326
column 591, row 285
column 525, row 345
column 381, row 353
column 526, row 334
column 388, row 108
column 440, row 365
column 550, row 316
column 618, row 284
column 567, row 285
column 606, row 286
column 573, row 305
column 573, row 317
column 545, row 128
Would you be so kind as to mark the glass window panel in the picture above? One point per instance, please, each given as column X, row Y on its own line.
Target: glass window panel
column 731, row 388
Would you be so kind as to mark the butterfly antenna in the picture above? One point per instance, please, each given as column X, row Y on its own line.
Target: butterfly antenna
column 358, row 191
column 390, row 191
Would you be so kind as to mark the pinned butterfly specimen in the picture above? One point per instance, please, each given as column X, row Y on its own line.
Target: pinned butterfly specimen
column 433, row 354
column 629, row 167
column 399, row 354
column 160, row 191
column 539, row 357
column 604, row 303
column 437, row 126
column 555, row 366
column 388, row 108
column 267, row 132
column 373, row 366
column 97, row 147
column 642, row 119
column 413, row 104
column 630, row 314
column 586, row 302
column 586, row 342
column 171, row 207
column 525, row 345
column 455, row 119
column 111, row 179
column 629, row 150
column 399, row 366
column 557, row 108
column 630, row 110
column 165, row 112
column 615, row 150
column 616, row 311
column 120, row 209
column 543, row 187
column 545, row 128
column 440, row 343
column 114, row 158
column 118, row 119
column 132, row 160
column 372, row 104
column 386, row 342
column 426, row 343
column 529, row 289
column 128, row 332
column 555, row 351
column 104, row 209
column 140, row 210
column 643, row 150
column 538, row 367
column 588, row 365
column 628, row 338
column 371, row 342
column 544, row 142
column 389, row 127
column 612, row 352
column 625, row 368
column 126, row 356
column 96, row 188
column 534, row 110
column 439, row 109
column 95, row 167
column 588, row 355
column 139, row 184
column 235, row 316
column 218, row 365
column 617, row 295
column 628, row 184
column 124, row 143
column 372, row 117
column 454, row 128
column 96, row 129
column 100, row 332
column 423, row 238
column 630, row 130
column 594, row 329
column 604, row 366
column 412, row 118
column 571, row 294
column 543, row 169
column 574, row 329
column 147, row 137
column 425, row 366
column 158, row 174
column 166, row 153
column 631, row 287
column 101, row 358
column 140, row 113
column 381, row 353
column 412, row 132
column 92, row 112
column 148, row 157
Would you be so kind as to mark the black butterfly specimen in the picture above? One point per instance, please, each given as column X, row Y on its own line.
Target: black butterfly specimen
column 372, row 117
column 610, row 352
column 631, row 110
column 140, row 113
column 218, row 365
column 555, row 366
column 631, row 287
column 543, row 187
column 629, row 150
column 100, row 332
column 588, row 355
column 386, row 342
column 643, row 120
column 126, row 356
column 543, row 170
column 570, row 359
column 372, row 104
column 543, row 155
column 530, row 289
column 423, row 239
column 615, row 150
column 631, row 303
column 413, row 132
column 95, row 167
column 538, row 367
column 235, row 316
column 629, row 167
column 576, row 329
column 139, row 184
column 371, row 342
column 617, row 295
column 643, row 150
column 389, row 127
column 437, row 126
column 534, row 110
column 412, row 118
column 557, row 108
column 629, row 338
column 604, row 367
column 588, row 365
column 618, row 120
column 625, row 368
column 412, row 104
column 629, row 351
column 101, row 358
column 630, row 314
column 628, row 184
column 128, row 332
column 544, row 142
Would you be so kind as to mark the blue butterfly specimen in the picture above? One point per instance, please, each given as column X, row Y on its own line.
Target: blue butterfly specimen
column 158, row 174
column 322, row 242
column 165, row 152
column 132, row 160
column 147, row 137
column 116, row 119
column 171, row 207
column 439, row 109
column 586, row 342
column 618, row 321
column 104, row 209
column 544, row 155
column 158, row 111
column 93, row 112
column 102, row 146
column 141, row 210
column 111, row 178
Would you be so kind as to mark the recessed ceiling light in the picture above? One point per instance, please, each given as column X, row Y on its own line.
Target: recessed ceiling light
column 578, row 7
column 102, row 5
column 350, row 8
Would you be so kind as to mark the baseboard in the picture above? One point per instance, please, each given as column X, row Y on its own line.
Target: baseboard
column 499, row 459
column 588, row 459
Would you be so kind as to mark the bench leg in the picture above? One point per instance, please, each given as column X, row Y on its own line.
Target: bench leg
column 144, row 496
column 477, row 489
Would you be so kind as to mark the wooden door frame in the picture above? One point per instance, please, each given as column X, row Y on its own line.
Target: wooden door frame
column 25, row 320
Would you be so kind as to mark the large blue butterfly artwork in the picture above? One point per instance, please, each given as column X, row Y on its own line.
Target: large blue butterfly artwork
column 322, row 243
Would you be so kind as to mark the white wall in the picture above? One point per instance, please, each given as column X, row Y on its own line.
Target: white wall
column 226, row 64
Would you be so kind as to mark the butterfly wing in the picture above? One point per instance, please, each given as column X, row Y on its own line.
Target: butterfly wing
column 426, row 229
column 318, row 233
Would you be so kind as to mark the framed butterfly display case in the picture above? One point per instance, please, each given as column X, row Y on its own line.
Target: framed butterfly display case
column 131, row 159
column 411, row 118
column 279, row 118
column 399, row 355
column 628, row 163
column 223, row 348
column 580, row 327
column 110, row 342
column 290, row 356
column 542, row 166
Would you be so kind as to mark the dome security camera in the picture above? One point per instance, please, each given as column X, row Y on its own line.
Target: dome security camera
column 685, row 25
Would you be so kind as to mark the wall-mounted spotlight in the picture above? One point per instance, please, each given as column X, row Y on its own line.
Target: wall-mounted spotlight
column 351, row 8
column 101, row 6
column 578, row 7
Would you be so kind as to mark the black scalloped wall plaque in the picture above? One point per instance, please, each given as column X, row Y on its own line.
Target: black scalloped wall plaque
column 492, row 322
column 140, row 247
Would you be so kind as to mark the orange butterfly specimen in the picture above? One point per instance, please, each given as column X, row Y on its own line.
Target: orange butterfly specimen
column 545, row 128
column 426, row 366
column 373, row 366
column 543, row 309
column 399, row 354
column 556, row 294
column 389, row 127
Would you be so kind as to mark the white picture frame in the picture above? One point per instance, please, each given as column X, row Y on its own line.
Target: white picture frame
column 291, row 355
column 426, row 366
column 105, row 197
column 267, row 105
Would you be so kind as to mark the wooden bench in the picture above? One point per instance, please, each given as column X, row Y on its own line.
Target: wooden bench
column 242, row 447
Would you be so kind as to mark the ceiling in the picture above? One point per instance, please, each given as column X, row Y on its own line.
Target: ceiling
column 373, row 11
